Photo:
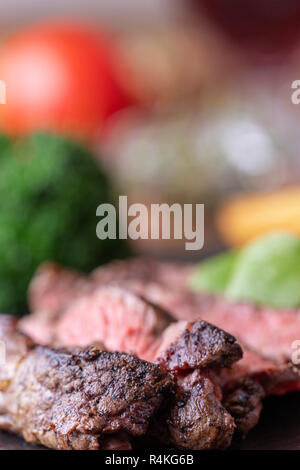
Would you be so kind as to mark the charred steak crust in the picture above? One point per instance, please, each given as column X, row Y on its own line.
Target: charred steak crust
column 67, row 400
column 243, row 400
column 195, row 417
column 201, row 345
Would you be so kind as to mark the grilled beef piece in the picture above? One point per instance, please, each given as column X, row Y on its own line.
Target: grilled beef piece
column 51, row 290
column 54, row 286
column 249, row 381
column 76, row 399
column 243, row 400
column 267, row 331
column 126, row 322
column 123, row 321
column 196, row 418
column 146, row 270
column 275, row 378
column 200, row 345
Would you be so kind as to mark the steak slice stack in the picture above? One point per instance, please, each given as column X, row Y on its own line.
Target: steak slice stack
column 78, row 399
column 195, row 418
column 266, row 335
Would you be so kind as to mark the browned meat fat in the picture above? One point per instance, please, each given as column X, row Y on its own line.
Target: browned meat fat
column 76, row 399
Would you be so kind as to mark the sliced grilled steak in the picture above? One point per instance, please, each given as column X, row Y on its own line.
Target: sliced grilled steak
column 122, row 320
column 54, row 287
column 51, row 290
column 76, row 399
column 126, row 322
column 250, row 380
column 199, row 345
column 267, row 334
column 146, row 270
column 196, row 417
column 202, row 421
column 275, row 378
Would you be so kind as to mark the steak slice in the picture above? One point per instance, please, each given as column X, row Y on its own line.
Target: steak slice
column 122, row 320
column 51, row 290
column 54, row 287
column 249, row 381
column 267, row 331
column 275, row 378
column 76, row 399
column 199, row 345
column 196, row 418
column 126, row 322
column 142, row 269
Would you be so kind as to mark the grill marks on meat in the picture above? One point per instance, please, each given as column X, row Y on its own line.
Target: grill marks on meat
column 200, row 345
column 76, row 399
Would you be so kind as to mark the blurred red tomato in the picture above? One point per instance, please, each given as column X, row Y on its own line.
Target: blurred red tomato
column 61, row 78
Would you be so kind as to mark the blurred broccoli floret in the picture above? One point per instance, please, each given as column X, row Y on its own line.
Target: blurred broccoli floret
column 49, row 190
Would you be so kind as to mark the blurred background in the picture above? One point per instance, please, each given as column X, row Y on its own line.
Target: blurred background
column 183, row 101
